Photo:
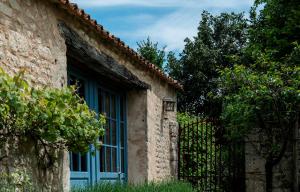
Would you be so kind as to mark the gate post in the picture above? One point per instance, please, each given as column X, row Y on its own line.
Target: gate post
column 173, row 127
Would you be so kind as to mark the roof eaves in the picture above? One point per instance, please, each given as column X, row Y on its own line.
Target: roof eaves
column 120, row 44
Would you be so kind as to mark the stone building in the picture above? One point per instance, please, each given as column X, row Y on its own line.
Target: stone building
column 57, row 44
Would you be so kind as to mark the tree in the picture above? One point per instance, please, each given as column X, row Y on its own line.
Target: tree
column 151, row 52
column 219, row 39
column 275, row 28
column 262, row 90
column 265, row 99
column 173, row 66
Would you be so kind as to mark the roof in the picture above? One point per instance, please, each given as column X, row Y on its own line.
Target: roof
column 129, row 52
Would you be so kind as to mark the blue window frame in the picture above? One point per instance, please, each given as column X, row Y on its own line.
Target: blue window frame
column 108, row 163
column 112, row 154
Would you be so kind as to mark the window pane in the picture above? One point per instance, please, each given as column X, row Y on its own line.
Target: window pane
column 84, row 162
column 114, row 160
column 122, row 161
column 102, row 159
column 101, row 139
column 108, row 159
column 122, row 134
column 100, row 101
column 107, row 132
column 80, row 89
column 113, row 107
column 114, row 133
column 75, row 162
column 122, row 108
column 107, row 105
column 72, row 80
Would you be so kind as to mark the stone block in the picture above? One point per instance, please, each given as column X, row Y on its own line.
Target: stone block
column 15, row 5
column 18, row 43
column 5, row 9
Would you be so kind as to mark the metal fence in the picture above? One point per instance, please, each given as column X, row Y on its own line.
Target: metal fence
column 208, row 160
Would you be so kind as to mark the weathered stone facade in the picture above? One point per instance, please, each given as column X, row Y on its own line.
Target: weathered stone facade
column 26, row 42
column 283, row 173
column 30, row 39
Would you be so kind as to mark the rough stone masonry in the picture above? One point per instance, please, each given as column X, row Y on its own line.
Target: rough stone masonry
column 30, row 39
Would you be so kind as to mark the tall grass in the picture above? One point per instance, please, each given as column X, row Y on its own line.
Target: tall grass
column 173, row 186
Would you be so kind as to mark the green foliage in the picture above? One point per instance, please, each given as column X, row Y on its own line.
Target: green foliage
column 50, row 118
column 185, row 118
column 151, row 187
column 16, row 181
column 275, row 28
column 199, row 150
column 173, row 65
column 151, row 52
column 271, row 89
column 266, row 89
column 261, row 92
column 262, row 99
column 219, row 39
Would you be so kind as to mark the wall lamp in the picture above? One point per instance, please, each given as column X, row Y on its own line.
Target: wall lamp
column 169, row 104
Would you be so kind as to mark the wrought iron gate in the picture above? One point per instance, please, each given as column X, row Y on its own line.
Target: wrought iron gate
column 209, row 161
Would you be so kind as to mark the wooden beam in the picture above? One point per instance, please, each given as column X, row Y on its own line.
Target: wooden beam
column 104, row 65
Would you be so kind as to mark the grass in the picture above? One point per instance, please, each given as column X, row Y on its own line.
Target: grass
column 172, row 186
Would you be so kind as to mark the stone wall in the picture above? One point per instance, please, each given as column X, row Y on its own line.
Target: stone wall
column 160, row 127
column 30, row 40
column 137, row 133
column 255, row 168
column 161, row 150
column 152, row 138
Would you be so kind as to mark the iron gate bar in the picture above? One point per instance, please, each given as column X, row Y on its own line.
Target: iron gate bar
column 206, row 154
column 193, row 148
column 208, row 160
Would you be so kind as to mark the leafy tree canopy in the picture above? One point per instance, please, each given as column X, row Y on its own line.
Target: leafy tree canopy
column 152, row 52
column 220, row 38
column 268, row 82
column 275, row 28
column 262, row 90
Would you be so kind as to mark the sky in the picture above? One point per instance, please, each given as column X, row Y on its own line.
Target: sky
column 167, row 22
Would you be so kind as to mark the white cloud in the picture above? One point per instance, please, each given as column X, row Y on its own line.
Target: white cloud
column 140, row 18
column 172, row 29
column 166, row 3
column 169, row 29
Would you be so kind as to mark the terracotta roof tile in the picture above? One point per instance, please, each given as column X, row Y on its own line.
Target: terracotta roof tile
column 73, row 8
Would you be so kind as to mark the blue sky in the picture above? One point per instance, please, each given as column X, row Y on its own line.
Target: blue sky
column 168, row 22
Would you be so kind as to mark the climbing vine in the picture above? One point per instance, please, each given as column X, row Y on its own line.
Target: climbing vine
column 49, row 118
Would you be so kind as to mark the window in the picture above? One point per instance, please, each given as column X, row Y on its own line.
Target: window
column 78, row 162
column 112, row 151
column 109, row 162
